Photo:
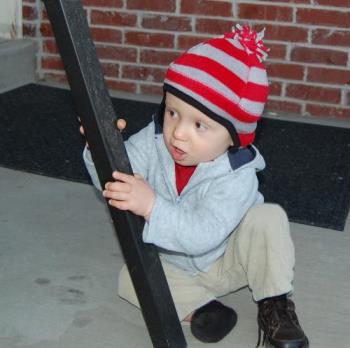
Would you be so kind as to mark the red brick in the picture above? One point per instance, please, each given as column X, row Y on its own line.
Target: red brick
column 327, row 95
column 158, row 40
column 207, row 7
column 323, row 17
column 341, row 3
column 291, row 1
column 283, row 32
column 49, row 46
column 143, row 73
column 151, row 89
column 29, row 13
column 275, row 88
column 279, row 105
column 113, row 18
column 29, row 30
column 152, row 5
column 331, row 76
column 328, row 111
column 286, row 71
column 121, row 85
column 46, row 29
column 318, row 55
column 266, row 12
column 59, row 77
column 110, row 69
column 277, row 51
column 173, row 23
column 213, row 26
column 106, row 35
column 186, row 41
column 52, row 63
column 116, row 53
column 103, row 3
column 158, row 57
column 331, row 37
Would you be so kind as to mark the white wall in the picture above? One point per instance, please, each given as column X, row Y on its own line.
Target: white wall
column 10, row 19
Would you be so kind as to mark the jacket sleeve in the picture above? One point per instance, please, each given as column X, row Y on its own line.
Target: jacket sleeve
column 137, row 148
column 205, row 226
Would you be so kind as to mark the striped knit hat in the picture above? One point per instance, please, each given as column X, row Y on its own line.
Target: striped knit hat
column 224, row 78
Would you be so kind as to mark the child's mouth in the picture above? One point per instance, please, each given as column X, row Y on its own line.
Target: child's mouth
column 177, row 153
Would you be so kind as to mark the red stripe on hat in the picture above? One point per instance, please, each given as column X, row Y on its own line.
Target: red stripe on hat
column 251, row 90
column 212, row 96
column 246, row 139
column 240, row 54
column 215, row 69
column 257, row 93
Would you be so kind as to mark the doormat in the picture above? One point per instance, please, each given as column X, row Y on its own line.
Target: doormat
column 307, row 172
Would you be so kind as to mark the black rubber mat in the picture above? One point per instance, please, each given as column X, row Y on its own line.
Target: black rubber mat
column 308, row 166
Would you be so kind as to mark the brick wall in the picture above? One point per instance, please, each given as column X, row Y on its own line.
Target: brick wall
column 308, row 65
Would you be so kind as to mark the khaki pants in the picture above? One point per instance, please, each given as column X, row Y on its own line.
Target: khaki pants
column 260, row 254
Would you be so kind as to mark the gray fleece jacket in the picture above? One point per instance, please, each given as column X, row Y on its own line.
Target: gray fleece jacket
column 191, row 230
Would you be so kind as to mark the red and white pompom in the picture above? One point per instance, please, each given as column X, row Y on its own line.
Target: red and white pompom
column 250, row 40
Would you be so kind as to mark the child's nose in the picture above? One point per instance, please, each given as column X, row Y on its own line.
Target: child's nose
column 180, row 131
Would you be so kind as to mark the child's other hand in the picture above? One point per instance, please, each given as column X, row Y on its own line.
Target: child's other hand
column 81, row 130
column 130, row 192
column 121, row 124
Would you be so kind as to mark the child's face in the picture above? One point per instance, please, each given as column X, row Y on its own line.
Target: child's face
column 190, row 136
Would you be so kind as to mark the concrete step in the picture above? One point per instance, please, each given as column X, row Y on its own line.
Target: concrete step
column 17, row 63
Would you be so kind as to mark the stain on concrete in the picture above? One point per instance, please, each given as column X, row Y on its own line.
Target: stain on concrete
column 71, row 296
column 77, row 277
column 42, row 281
column 81, row 322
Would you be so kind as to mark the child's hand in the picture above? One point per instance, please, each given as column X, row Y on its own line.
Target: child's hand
column 130, row 192
column 121, row 124
column 81, row 130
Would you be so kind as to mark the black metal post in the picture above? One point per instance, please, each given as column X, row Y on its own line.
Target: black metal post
column 95, row 109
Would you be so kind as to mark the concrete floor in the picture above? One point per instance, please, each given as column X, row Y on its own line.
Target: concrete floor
column 59, row 262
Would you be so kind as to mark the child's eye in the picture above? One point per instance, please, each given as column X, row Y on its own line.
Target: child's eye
column 172, row 113
column 201, row 126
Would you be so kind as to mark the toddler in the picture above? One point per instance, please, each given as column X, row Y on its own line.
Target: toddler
column 195, row 184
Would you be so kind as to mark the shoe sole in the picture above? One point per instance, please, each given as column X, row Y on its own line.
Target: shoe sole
column 289, row 345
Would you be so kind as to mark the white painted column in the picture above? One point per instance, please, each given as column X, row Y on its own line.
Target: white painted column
column 10, row 19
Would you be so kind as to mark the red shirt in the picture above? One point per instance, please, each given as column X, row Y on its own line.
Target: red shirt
column 183, row 175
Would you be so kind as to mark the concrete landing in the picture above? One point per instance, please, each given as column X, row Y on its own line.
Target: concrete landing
column 59, row 264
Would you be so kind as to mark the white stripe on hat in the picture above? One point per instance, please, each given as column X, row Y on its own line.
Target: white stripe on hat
column 251, row 107
column 204, row 78
column 258, row 76
column 241, row 127
column 236, row 66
